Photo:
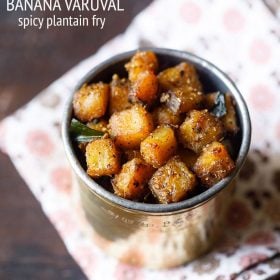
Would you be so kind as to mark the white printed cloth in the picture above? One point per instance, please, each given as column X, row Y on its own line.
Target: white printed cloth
column 242, row 38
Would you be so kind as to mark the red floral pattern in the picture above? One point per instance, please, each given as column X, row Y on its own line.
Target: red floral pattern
column 250, row 259
column 233, row 20
column 260, row 51
column 191, row 12
column 61, row 179
column 261, row 97
column 39, row 143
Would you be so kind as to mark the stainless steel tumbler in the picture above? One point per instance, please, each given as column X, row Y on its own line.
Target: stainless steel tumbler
column 157, row 235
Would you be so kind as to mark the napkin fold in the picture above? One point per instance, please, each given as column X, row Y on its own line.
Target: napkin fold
column 242, row 38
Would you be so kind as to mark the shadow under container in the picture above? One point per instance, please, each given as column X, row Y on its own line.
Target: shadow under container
column 157, row 235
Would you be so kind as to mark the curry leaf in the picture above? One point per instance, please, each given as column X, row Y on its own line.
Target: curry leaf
column 219, row 109
column 83, row 133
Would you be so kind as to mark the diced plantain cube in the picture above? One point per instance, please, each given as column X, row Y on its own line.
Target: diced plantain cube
column 119, row 95
column 230, row 120
column 163, row 115
column 102, row 158
column 131, row 182
column 213, row 164
column 100, row 125
column 199, row 129
column 130, row 127
column 141, row 61
column 181, row 88
column 188, row 157
column 145, row 88
column 181, row 75
column 172, row 182
column 179, row 100
column 159, row 146
column 90, row 102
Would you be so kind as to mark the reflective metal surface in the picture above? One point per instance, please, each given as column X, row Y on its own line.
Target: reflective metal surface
column 153, row 240
column 156, row 235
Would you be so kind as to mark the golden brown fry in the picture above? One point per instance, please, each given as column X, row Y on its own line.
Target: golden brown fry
column 90, row 102
column 163, row 115
column 119, row 95
column 172, row 182
column 182, row 75
column 148, row 115
column 179, row 101
column 102, row 157
column 182, row 90
column 131, row 182
column 141, row 61
column 159, row 146
column 213, row 164
column 145, row 88
column 199, row 129
column 130, row 127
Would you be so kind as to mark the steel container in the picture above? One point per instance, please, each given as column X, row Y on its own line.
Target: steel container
column 157, row 235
